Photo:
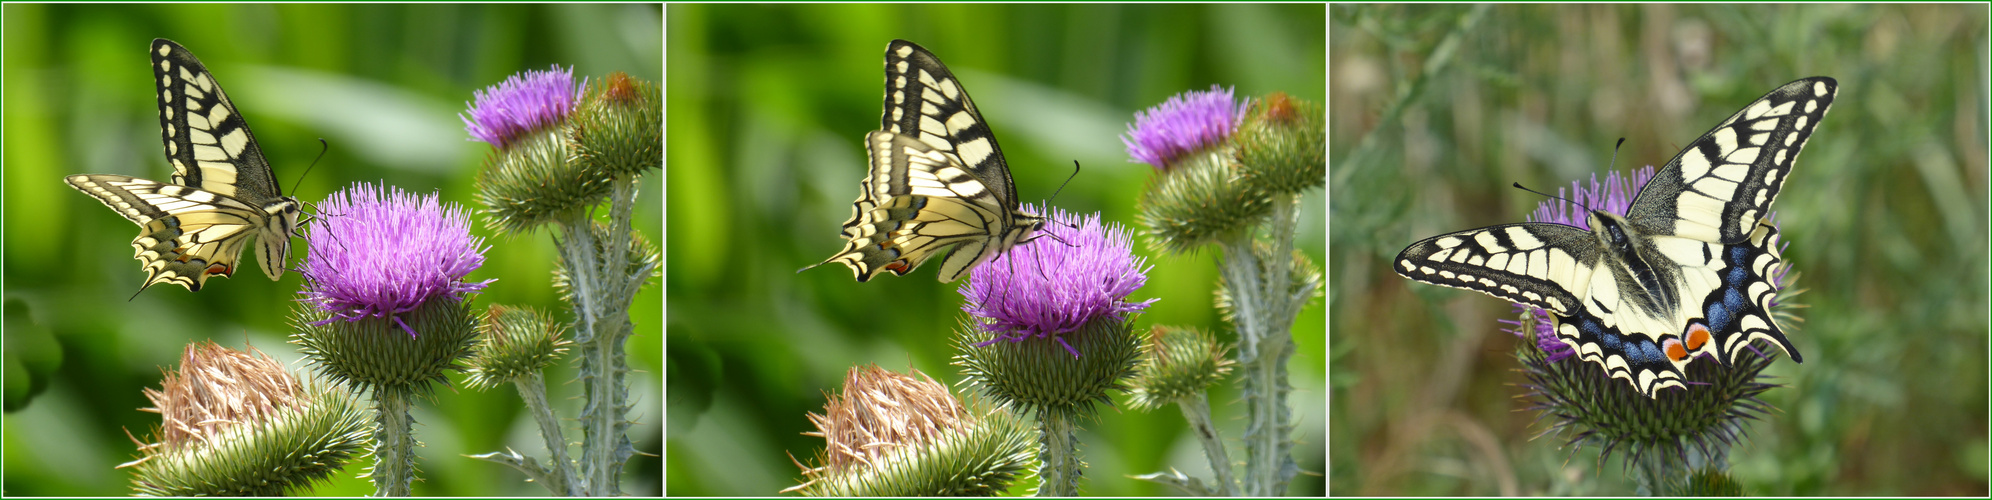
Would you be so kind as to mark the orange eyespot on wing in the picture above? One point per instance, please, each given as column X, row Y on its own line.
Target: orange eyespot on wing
column 1698, row 336
column 1675, row 351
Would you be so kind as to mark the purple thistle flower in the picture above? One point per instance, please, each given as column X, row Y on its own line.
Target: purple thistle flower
column 1184, row 124
column 1079, row 270
column 524, row 103
column 384, row 253
column 1613, row 195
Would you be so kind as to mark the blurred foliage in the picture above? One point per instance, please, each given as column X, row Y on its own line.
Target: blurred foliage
column 382, row 84
column 768, row 105
column 1439, row 107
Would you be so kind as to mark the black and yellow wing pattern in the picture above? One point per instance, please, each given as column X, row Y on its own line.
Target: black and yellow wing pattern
column 223, row 191
column 936, row 180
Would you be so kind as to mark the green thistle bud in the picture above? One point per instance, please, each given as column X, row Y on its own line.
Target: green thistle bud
column 1044, row 377
column 517, row 342
column 1181, row 362
column 1199, row 202
column 619, row 131
column 1281, row 147
column 536, row 182
column 236, row 423
column 891, row 434
column 376, row 354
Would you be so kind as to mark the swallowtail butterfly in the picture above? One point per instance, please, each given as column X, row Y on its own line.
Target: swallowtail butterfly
column 1686, row 271
column 222, row 192
column 937, row 179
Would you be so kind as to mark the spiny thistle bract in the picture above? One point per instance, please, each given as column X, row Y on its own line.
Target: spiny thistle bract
column 1042, row 377
column 374, row 354
column 236, row 423
column 515, row 342
column 891, row 434
column 1180, row 362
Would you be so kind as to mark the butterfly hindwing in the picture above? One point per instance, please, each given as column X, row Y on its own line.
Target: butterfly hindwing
column 223, row 192
column 936, row 179
column 185, row 234
column 1688, row 270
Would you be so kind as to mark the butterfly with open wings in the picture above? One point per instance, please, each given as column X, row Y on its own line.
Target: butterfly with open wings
column 1686, row 271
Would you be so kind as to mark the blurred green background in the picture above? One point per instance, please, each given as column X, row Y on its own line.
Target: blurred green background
column 382, row 84
column 768, row 106
column 1437, row 108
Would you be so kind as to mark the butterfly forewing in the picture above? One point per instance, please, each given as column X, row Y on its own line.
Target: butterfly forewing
column 1532, row 263
column 936, row 179
column 1720, row 185
column 1689, row 269
column 223, row 193
column 207, row 141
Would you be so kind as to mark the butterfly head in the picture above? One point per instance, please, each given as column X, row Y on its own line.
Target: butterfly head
column 1614, row 232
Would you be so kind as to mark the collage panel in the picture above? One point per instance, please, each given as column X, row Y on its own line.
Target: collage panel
column 436, row 253
column 1672, row 300
column 868, row 296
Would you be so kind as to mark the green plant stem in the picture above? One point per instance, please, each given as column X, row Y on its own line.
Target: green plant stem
column 1196, row 409
column 602, row 289
column 1264, row 300
column 394, row 445
column 532, row 389
column 1058, row 455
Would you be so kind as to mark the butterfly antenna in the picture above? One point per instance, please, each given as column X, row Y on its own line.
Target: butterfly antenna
column 1061, row 189
column 1518, row 185
column 323, row 148
column 1615, row 152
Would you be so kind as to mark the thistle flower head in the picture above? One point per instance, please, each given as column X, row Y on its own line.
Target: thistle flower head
column 1078, row 270
column 237, row 423
column 525, row 103
column 385, row 253
column 895, row 434
column 1186, row 123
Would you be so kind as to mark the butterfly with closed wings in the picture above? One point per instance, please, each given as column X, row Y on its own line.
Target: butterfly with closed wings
column 223, row 191
column 937, row 179
column 1685, row 271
